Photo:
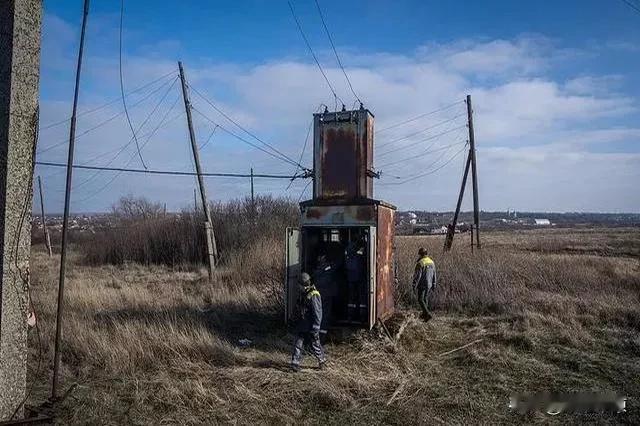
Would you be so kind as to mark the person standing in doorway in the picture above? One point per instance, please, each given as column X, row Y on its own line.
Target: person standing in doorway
column 308, row 326
column 424, row 281
column 355, row 268
column 324, row 279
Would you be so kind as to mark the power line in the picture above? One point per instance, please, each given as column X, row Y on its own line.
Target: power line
column 315, row 58
column 335, row 51
column 632, row 5
column 148, row 135
column 429, row 172
column 106, row 185
column 418, row 117
column 111, row 102
column 304, row 190
column 168, row 172
column 244, row 129
column 108, row 120
column 209, row 138
column 240, row 138
column 393, row 151
column 124, row 102
column 304, row 148
column 420, row 155
column 433, row 163
column 421, row 130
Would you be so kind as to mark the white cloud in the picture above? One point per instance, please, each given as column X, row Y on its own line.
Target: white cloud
column 534, row 133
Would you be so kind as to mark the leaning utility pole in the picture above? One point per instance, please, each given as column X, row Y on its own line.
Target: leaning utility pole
column 47, row 239
column 451, row 229
column 65, row 217
column 474, row 172
column 212, row 252
column 471, row 162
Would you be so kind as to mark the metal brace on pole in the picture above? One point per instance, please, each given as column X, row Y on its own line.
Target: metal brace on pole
column 47, row 238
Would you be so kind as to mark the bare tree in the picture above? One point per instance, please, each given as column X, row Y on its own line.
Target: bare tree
column 132, row 208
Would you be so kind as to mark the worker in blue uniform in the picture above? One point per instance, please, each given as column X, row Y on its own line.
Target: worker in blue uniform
column 308, row 325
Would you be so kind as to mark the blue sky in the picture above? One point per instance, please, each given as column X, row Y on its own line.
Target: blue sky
column 555, row 86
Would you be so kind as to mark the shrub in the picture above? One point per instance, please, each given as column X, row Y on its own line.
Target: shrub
column 143, row 233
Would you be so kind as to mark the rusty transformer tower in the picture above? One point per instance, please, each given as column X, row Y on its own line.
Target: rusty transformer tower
column 344, row 224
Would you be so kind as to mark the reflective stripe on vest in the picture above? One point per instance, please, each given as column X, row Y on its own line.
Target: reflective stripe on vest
column 425, row 261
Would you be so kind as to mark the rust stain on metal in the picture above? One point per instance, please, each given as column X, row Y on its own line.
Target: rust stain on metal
column 312, row 213
column 343, row 155
column 340, row 215
column 364, row 213
column 384, row 261
column 338, row 162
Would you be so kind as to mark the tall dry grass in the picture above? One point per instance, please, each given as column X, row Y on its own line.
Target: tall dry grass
column 153, row 344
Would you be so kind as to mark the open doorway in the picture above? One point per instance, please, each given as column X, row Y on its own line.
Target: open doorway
column 338, row 259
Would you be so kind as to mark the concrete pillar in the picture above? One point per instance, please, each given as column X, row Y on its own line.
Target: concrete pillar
column 20, row 26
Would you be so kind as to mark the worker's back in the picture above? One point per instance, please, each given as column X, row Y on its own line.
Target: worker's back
column 425, row 272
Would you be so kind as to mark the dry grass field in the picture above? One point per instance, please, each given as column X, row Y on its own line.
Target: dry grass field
column 552, row 310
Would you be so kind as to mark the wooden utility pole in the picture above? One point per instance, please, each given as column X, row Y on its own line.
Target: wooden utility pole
column 212, row 252
column 474, row 172
column 195, row 201
column 253, row 200
column 65, row 217
column 451, row 229
column 47, row 239
column 471, row 162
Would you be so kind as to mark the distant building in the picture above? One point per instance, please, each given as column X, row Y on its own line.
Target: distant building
column 542, row 222
column 441, row 230
column 412, row 215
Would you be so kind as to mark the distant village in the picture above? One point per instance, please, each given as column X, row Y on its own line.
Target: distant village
column 422, row 222
column 407, row 222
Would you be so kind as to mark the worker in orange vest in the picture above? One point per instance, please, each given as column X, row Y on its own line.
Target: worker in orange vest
column 424, row 281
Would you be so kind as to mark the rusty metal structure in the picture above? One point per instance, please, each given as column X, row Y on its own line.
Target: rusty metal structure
column 345, row 225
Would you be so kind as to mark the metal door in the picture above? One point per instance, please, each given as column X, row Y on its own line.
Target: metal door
column 372, row 276
column 292, row 267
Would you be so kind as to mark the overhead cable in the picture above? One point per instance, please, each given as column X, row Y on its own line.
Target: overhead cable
column 333, row 46
column 429, row 172
column 422, row 154
column 411, row 145
column 108, row 120
column 418, row 117
column 315, row 58
column 149, row 135
column 124, row 101
column 421, row 130
column 106, row 104
column 166, row 172
column 113, row 179
column 244, row 129
column 240, row 138
column 633, row 6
